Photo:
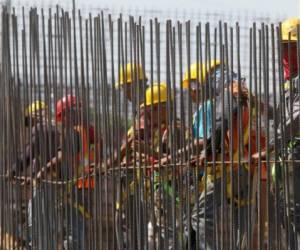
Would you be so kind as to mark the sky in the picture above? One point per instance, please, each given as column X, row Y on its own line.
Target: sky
column 272, row 7
column 267, row 6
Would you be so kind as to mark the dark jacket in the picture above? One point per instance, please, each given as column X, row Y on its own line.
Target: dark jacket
column 40, row 149
column 288, row 111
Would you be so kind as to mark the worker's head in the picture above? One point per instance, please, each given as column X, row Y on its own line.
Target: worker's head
column 289, row 47
column 132, row 74
column 67, row 111
column 35, row 112
column 197, row 77
column 156, row 102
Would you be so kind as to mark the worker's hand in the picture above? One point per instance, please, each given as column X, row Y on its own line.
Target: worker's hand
column 99, row 169
column 165, row 136
column 181, row 153
column 255, row 157
column 165, row 160
column 40, row 176
column 109, row 163
column 202, row 160
column 26, row 180
column 127, row 162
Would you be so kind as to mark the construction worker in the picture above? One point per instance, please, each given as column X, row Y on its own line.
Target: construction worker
column 288, row 132
column 194, row 81
column 218, row 113
column 40, row 149
column 148, row 149
column 75, row 162
column 132, row 82
column 131, row 79
column 164, row 233
column 291, row 129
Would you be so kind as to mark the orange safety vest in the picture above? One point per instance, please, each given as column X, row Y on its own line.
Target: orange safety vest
column 85, row 157
column 245, row 129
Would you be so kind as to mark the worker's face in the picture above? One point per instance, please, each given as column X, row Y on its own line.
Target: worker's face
column 290, row 62
column 128, row 89
column 70, row 117
column 195, row 91
column 33, row 119
column 158, row 113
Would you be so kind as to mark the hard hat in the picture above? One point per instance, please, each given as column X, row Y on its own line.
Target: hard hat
column 132, row 71
column 34, row 107
column 64, row 103
column 156, row 94
column 289, row 27
column 201, row 69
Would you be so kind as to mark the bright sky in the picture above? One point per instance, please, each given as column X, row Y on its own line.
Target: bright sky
column 274, row 7
column 290, row 7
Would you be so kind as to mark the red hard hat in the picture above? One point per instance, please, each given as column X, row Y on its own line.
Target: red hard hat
column 64, row 103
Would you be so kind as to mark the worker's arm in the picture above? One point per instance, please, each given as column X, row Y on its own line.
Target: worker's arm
column 51, row 165
column 54, row 161
column 119, row 154
column 196, row 143
column 24, row 159
column 259, row 155
column 134, row 141
column 195, row 161
column 262, row 155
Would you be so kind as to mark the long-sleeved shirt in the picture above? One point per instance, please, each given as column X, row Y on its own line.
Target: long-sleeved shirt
column 41, row 148
column 289, row 112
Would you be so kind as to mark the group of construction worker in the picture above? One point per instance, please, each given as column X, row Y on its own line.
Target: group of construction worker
column 221, row 151
column 52, row 156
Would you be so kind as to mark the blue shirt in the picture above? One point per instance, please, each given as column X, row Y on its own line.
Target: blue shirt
column 198, row 121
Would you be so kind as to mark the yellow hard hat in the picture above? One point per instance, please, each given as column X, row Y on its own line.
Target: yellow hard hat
column 289, row 27
column 34, row 107
column 156, row 94
column 201, row 69
column 132, row 70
